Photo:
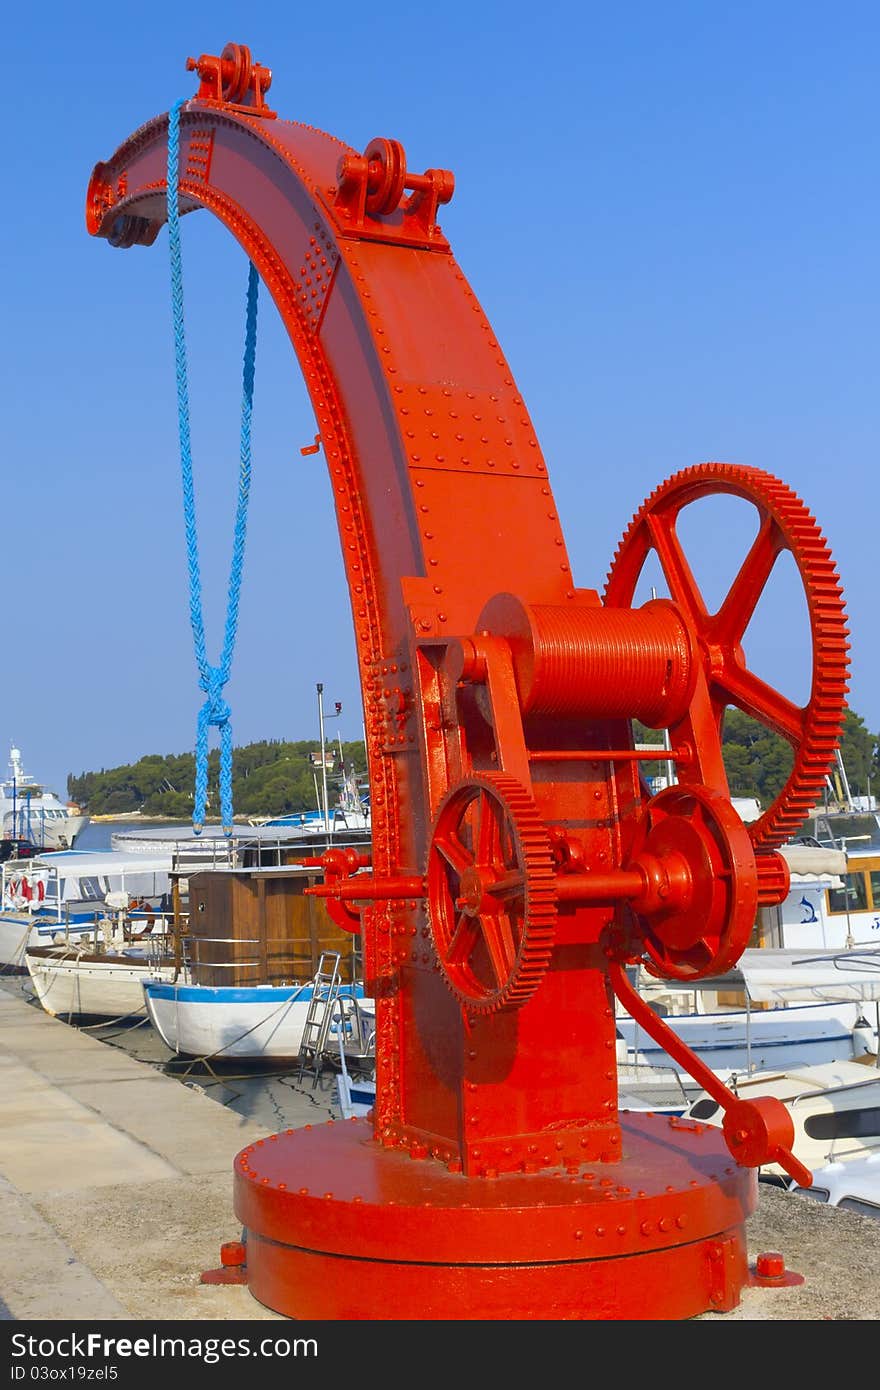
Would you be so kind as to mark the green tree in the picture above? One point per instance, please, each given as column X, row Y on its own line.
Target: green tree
column 271, row 777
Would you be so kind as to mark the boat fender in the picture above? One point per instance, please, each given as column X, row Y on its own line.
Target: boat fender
column 862, row 1037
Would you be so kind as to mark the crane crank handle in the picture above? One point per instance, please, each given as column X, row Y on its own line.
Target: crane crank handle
column 756, row 1131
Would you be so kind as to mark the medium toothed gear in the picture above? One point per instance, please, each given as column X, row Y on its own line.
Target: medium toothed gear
column 794, row 529
column 465, row 884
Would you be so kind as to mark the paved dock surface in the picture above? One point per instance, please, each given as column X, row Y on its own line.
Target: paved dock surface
column 116, row 1193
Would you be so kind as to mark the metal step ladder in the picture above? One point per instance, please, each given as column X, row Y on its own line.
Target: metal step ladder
column 325, row 989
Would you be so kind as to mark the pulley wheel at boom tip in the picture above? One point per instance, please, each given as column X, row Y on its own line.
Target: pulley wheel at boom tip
column 491, row 893
column 785, row 524
column 235, row 85
column 386, row 196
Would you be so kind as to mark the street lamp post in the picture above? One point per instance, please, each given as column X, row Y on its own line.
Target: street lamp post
column 324, row 752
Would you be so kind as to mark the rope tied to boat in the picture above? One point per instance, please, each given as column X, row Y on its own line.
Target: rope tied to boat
column 212, row 678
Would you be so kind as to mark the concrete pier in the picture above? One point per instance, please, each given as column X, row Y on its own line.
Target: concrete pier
column 116, row 1193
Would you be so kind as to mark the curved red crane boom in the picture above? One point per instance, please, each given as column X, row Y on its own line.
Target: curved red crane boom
column 518, row 860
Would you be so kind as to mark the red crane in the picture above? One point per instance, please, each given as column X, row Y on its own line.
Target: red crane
column 519, row 861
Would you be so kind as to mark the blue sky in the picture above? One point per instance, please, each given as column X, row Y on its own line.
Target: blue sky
column 669, row 213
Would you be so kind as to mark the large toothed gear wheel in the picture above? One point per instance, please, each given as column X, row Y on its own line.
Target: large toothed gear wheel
column 785, row 525
column 491, row 892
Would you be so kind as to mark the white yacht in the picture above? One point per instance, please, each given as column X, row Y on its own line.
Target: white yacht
column 29, row 812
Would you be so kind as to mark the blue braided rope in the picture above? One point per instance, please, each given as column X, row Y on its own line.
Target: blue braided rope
column 212, row 679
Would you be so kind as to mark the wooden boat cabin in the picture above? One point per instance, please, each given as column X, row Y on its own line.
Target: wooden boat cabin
column 256, row 926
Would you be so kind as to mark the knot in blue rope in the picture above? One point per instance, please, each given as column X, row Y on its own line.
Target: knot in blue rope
column 215, row 711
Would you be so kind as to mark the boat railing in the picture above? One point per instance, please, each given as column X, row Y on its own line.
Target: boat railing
column 194, row 855
column 257, row 850
column 43, row 895
column 352, row 1029
column 196, row 967
column 153, row 932
column 189, row 961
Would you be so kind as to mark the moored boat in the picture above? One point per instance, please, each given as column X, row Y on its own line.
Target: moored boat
column 267, row 972
column 745, row 1040
column 30, row 812
column 835, row 1110
column 256, row 1022
column 786, row 1008
column 79, row 981
column 851, row 1184
column 57, row 898
column 798, row 995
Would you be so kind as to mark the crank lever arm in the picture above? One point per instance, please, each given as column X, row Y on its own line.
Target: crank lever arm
column 654, row 1026
column 756, row 1131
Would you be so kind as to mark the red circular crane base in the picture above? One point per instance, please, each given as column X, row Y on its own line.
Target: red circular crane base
column 383, row 1236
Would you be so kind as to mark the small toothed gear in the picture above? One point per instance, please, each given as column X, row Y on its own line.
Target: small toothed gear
column 786, row 524
column 491, row 890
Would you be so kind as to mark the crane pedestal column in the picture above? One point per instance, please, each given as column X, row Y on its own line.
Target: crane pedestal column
column 383, row 1236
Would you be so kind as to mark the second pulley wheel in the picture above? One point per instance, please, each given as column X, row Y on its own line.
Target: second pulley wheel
column 698, row 908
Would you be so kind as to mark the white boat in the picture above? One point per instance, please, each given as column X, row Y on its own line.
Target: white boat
column 744, row 1040
column 342, row 823
column 835, row 1108
column 256, row 1022
column 29, row 812
column 101, row 977
column 355, row 1096
column 248, row 844
column 77, row 981
column 798, row 997
column 55, row 898
column 851, row 1184
column 269, row 975
column 347, row 819
column 829, row 914
column 800, row 1007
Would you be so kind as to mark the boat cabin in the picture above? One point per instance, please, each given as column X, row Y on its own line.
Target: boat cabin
column 256, row 926
column 71, row 885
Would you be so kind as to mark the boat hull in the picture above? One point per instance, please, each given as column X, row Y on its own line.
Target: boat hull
column 758, row 1039
column 264, row 1021
column 55, row 834
column 69, row 984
